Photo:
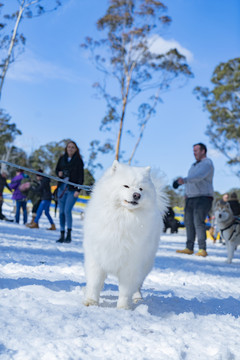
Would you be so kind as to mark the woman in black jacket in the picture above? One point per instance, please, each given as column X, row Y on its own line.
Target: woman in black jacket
column 69, row 167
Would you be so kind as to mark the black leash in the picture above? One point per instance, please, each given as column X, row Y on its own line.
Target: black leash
column 83, row 187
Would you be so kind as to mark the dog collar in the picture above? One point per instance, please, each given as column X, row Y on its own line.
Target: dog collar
column 232, row 223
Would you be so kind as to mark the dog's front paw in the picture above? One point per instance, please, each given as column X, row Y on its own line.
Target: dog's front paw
column 90, row 302
column 137, row 296
column 228, row 261
column 123, row 303
column 124, row 307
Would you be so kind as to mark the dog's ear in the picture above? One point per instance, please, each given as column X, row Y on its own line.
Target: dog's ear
column 147, row 171
column 115, row 166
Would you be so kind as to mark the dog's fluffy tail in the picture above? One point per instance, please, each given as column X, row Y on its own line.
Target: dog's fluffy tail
column 162, row 197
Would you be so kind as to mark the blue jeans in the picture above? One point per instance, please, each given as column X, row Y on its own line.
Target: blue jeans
column 196, row 211
column 21, row 204
column 66, row 202
column 44, row 206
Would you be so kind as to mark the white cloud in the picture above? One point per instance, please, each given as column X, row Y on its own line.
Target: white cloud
column 160, row 46
column 30, row 68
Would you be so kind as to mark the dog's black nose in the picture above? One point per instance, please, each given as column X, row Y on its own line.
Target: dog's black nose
column 136, row 196
column 220, row 215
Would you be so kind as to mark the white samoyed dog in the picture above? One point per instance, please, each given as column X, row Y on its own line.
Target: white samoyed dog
column 122, row 230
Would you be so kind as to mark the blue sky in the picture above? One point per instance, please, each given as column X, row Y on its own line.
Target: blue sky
column 48, row 90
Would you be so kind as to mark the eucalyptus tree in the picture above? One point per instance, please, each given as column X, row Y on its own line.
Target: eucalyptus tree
column 222, row 103
column 11, row 38
column 130, row 65
column 8, row 133
column 19, row 157
column 46, row 156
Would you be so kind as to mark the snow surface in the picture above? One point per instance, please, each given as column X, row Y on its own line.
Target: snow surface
column 190, row 308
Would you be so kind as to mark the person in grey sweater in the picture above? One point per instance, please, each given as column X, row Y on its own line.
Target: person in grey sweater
column 199, row 197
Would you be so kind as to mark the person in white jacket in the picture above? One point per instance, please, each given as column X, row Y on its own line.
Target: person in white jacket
column 199, row 197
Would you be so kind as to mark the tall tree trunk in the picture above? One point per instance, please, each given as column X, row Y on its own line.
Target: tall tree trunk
column 120, row 130
column 125, row 100
column 7, row 61
column 143, row 126
column 6, row 157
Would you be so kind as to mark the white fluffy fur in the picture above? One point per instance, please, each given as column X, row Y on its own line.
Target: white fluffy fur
column 120, row 237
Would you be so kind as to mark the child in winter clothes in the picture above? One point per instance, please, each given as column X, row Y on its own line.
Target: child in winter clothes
column 44, row 191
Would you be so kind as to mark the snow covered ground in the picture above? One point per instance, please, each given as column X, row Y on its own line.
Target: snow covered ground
column 190, row 308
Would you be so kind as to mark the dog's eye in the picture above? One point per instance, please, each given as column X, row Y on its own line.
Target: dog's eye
column 126, row 186
column 141, row 189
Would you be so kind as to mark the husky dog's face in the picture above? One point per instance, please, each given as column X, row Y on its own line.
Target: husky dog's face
column 133, row 185
column 223, row 211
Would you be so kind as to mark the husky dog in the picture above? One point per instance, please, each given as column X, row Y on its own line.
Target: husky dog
column 229, row 227
column 122, row 229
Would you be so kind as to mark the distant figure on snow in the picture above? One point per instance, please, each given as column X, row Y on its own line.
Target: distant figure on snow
column 234, row 204
column 44, row 190
column 69, row 167
column 19, row 196
column 3, row 183
column 199, row 197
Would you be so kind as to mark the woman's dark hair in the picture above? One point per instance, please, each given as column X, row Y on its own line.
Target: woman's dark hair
column 202, row 147
column 73, row 142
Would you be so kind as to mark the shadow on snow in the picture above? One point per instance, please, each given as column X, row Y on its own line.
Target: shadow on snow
column 58, row 285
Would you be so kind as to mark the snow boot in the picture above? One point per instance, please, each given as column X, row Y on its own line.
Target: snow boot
column 202, row 252
column 185, row 251
column 31, row 222
column 61, row 239
column 68, row 238
column 33, row 225
column 52, row 227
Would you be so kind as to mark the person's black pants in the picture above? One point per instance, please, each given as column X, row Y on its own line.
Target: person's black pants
column 196, row 211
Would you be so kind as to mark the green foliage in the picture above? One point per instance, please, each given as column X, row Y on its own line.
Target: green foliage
column 88, row 178
column 8, row 132
column 223, row 105
column 95, row 148
column 46, row 157
column 130, row 66
column 176, row 197
column 19, row 157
